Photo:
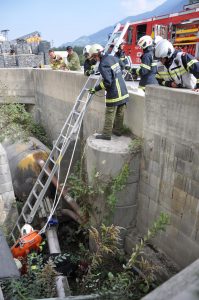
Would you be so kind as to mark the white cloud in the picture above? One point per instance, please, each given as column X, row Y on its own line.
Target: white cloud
column 134, row 7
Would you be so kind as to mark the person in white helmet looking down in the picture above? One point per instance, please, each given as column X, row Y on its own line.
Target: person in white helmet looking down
column 176, row 69
column 89, row 63
column 148, row 67
column 116, row 92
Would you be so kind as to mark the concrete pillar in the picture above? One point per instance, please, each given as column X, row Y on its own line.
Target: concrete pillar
column 105, row 160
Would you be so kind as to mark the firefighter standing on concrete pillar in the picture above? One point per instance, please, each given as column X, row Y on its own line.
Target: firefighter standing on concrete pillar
column 116, row 92
column 148, row 67
column 176, row 69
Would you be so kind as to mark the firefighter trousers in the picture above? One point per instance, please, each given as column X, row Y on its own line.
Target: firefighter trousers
column 114, row 117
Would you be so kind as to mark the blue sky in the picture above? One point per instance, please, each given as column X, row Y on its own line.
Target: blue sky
column 65, row 20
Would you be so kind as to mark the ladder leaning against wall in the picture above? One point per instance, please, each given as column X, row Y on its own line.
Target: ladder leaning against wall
column 68, row 133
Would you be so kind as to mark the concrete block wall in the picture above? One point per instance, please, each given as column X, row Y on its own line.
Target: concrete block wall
column 169, row 179
column 21, row 60
column 29, row 60
column 7, row 197
column 17, row 85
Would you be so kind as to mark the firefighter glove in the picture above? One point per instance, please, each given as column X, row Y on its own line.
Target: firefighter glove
column 92, row 91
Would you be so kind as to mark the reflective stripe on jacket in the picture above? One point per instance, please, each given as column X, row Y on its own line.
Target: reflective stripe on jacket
column 183, row 70
column 148, row 68
column 113, row 82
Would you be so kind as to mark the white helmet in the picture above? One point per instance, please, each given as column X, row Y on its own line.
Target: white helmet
column 164, row 49
column 86, row 49
column 145, row 41
column 157, row 39
column 95, row 49
column 26, row 229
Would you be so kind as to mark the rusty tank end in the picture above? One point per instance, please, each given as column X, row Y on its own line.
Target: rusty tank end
column 22, row 157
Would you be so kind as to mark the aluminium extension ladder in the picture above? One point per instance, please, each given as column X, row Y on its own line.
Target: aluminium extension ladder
column 68, row 133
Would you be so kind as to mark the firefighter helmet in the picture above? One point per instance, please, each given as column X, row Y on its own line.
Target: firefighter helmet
column 164, row 49
column 95, row 49
column 86, row 49
column 157, row 39
column 145, row 41
column 26, row 229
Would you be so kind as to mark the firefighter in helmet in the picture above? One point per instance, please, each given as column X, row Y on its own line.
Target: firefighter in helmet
column 89, row 64
column 116, row 91
column 120, row 54
column 148, row 67
column 176, row 69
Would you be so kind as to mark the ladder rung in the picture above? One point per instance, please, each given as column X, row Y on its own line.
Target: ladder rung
column 64, row 136
column 40, row 183
column 77, row 113
column 52, row 160
column 58, row 148
column 46, row 172
column 82, row 101
column 29, row 205
column 69, row 125
column 35, row 195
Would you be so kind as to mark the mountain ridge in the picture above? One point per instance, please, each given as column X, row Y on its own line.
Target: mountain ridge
column 100, row 36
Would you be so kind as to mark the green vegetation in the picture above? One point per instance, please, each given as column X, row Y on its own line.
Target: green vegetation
column 86, row 194
column 114, row 276
column 37, row 282
column 115, row 185
column 106, row 270
column 135, row 146
column 17, row 124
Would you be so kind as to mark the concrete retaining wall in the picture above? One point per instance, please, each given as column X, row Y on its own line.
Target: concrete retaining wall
column 54, row 93
column 170, row 164
column 7, row 198
column 170, row 170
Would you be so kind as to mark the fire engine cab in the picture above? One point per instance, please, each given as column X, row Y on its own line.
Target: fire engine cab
column 181, row 29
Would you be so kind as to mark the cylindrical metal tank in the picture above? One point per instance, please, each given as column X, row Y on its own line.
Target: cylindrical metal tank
column 22, row 157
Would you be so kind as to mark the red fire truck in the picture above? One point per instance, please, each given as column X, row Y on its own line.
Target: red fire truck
column 181, row 29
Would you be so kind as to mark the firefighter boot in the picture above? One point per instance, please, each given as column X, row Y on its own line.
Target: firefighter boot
column 108, row 123
column 103, row 137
